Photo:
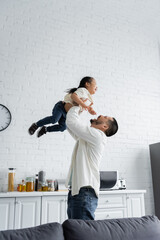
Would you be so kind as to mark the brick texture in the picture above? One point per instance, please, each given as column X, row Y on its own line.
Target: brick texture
column 47, row 47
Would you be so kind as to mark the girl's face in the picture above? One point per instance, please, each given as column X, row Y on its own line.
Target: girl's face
column 92, row 87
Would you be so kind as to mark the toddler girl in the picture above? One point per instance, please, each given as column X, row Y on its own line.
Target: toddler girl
column 76, row 96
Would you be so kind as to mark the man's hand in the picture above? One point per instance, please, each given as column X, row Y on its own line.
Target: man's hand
column 84, row 106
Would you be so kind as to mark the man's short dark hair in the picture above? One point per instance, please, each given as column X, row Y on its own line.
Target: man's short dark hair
column 113, row 127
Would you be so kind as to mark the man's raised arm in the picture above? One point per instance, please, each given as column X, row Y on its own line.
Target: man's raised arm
column 79, row 129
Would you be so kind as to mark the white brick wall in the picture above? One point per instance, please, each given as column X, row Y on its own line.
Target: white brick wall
column 48, row 46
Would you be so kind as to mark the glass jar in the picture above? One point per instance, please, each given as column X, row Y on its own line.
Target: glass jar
column 19, row 187
column 29, row 184
column 50, row 183
column 11, row 175
column 44, row 187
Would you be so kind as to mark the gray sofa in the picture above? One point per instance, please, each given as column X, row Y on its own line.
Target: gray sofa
column 144, row 228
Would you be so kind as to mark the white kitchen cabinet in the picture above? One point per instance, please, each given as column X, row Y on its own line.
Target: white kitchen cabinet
column 7, row 213
column 53, row 209
column 27, row 212
column 135, row 205
column 29, row 209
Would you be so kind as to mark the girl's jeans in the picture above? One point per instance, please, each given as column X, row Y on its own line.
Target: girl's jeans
column 58, row 115
column 82, row 205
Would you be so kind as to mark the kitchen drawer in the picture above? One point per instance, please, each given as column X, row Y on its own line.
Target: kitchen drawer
column 101, row 214
column 111, row 201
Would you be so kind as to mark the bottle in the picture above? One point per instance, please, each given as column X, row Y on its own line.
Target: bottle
column 36, row 182
column 23, row 186
column 41, row 179
column 11, row 175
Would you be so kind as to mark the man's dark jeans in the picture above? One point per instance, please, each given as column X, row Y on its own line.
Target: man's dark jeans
column 58, row 115
column 82, row 205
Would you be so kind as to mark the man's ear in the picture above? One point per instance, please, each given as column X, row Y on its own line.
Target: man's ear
column 105, row 127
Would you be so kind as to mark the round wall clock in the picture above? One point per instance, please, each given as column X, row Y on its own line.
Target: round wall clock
column 5, row 117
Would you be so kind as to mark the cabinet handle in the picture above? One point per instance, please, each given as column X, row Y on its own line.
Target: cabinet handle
column 18, row 202
column 107, row 216
column 107, row 201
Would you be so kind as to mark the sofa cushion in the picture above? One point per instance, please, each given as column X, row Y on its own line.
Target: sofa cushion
column 144, row 228
column 49, row 231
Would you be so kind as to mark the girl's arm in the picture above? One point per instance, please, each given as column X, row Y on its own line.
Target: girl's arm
column 77, row 100
column 80, row 102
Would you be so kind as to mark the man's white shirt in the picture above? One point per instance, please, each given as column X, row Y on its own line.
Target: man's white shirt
column 87, row 153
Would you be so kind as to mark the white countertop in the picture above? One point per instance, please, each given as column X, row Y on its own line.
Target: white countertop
column 63, row 193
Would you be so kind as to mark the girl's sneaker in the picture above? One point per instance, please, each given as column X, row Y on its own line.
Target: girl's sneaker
column 32, row 128
column 42, row 131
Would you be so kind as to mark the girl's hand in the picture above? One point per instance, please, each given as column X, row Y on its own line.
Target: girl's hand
column 89, row 108
column 91, row 111
column 84, row 99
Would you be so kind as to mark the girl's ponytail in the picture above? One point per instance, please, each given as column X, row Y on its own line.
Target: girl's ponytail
column 81, row 84
column 71, row 90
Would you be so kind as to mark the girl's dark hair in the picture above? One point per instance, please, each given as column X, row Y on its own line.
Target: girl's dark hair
column 81, row 84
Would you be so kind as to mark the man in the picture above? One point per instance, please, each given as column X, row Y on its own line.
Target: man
column 83, row 177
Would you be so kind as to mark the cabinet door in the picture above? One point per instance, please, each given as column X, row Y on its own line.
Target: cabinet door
column 27, row 212
column 101, row 214
column 7, row 213
column 53, row 209
column 135, row 205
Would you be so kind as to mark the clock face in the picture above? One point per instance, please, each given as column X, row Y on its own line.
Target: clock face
column 5, row 117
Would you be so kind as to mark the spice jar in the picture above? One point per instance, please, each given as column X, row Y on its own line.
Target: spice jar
column 19, row 187
column 29, row 184
column 23, row 186
column 11, row 175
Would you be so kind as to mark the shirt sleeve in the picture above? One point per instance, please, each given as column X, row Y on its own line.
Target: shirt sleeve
column 72, row 134
column 80, row 130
